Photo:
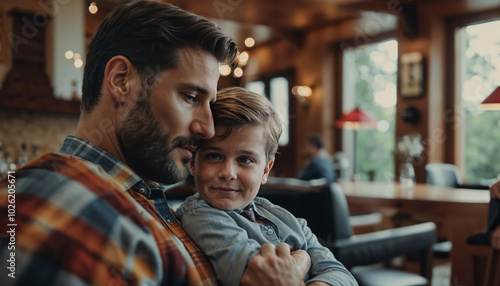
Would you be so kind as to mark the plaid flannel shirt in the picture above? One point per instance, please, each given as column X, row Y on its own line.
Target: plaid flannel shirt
column 84, row 218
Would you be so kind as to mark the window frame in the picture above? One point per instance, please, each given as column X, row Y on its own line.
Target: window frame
column 338, row 50
column 454, row 153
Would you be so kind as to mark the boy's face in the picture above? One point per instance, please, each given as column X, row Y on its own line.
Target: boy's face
column 229, row 172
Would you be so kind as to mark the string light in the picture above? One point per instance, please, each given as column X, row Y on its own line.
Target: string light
column 243, row 58
column 78, row 63
column 238, row 72
column 75, row 57
column 302, row 91
column 224, row 70
column 69, row 55
column 93, row 8
column 249, row 42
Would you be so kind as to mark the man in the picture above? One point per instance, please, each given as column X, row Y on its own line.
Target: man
column 94, row 213
column 319, row 163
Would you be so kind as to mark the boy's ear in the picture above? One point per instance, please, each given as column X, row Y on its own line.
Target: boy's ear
column 117, row 78
column 191, row 166
column 268, row 168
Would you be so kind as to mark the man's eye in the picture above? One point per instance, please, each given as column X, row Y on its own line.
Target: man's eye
column 190, row 97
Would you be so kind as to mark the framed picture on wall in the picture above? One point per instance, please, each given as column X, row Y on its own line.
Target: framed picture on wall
column 411, row 75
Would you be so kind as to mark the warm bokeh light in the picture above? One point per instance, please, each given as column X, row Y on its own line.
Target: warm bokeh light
column 93, row 8
column 243, row 58
column 238, row 72
column 302, row 91
column 77, row 56
column 224, row 70
column 69, row 55
column 78, row 63
column 249, row 42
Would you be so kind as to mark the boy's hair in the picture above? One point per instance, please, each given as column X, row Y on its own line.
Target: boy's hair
column 149, row 34
column 237, row 107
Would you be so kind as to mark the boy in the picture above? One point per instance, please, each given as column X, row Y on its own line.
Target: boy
column 225, row 219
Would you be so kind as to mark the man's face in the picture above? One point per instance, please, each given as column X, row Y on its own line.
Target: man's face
column 229, row 172
column 309, row 150
column 160, row 133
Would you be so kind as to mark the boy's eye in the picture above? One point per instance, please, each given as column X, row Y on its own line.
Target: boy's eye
column 246, row 160
column 213, row 156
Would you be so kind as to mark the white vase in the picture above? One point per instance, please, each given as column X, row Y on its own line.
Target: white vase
column 407, row 176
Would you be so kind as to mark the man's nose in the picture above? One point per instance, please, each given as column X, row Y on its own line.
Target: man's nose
column 203, row 124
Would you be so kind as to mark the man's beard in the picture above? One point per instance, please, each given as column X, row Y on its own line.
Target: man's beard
column 144, row 146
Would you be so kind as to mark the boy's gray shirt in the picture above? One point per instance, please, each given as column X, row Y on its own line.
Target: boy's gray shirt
column 230, row 240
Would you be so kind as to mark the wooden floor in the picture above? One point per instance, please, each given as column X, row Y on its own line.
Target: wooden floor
column 441, row 272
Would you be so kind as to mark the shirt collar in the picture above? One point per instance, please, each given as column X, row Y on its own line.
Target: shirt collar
column 119, row 172
column 251, row 205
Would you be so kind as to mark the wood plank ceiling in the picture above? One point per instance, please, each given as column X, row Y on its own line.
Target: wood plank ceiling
column 268, row 20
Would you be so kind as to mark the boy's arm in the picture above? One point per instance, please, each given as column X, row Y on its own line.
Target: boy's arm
column 225, row 244
column 324, row 266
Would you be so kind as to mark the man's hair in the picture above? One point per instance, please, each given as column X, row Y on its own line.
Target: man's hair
column 315, row 140
column 149, row 34
column 237, row 107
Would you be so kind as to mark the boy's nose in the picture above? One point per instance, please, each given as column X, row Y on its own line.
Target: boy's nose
column 227, row 172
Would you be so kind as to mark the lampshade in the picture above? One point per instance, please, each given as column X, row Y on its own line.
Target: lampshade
column 492, row 102
column 356, row 119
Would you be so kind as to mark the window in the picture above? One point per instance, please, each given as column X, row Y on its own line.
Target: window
column 257, row 86
column 478, row 61
column 370, row 83
column 279, row 99
column 279, row 96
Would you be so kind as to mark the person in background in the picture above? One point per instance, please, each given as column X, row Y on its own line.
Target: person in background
column 319, row 164
column 226, row 219
column 494, row 216
column 96, row 213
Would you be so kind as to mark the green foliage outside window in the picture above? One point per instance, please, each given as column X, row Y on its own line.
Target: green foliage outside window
column 374, row 76
column 481, row 75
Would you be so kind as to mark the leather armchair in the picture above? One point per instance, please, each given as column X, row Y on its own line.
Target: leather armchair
column 325, row 208
column 441, row 174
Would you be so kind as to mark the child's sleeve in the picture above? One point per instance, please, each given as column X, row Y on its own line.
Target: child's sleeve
column 324, row 266
column 225, row 244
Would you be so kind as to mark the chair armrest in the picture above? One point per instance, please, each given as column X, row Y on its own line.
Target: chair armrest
column 365, row 219
column 479, row 239
column 383, row 245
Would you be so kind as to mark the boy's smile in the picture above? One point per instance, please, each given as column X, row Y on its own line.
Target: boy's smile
column 229, row 172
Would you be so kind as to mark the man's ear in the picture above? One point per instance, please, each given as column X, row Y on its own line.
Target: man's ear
column 117, row 78
column 266, row 171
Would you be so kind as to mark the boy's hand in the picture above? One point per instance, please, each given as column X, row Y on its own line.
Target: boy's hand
column 277, row 266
